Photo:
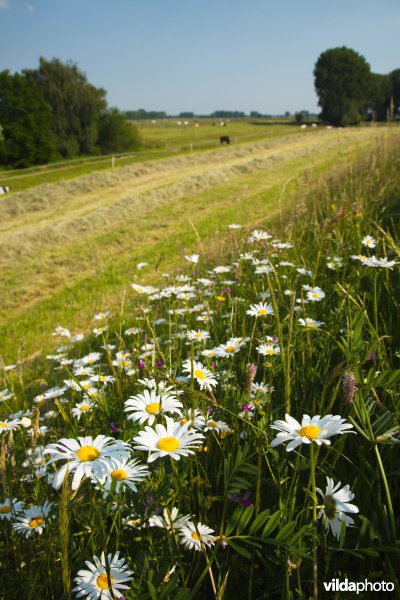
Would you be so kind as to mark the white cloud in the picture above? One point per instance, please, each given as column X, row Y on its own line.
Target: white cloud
column 29, row 7
column 4, row 3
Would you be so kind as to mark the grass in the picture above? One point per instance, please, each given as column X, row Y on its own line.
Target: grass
column 68, row 249
column 261, row 502
column 160, row 140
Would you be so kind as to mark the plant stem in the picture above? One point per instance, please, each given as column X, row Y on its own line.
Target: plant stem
column 314, row 516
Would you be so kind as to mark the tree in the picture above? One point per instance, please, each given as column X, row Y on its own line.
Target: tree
column 380, row 93
column 116, row 134
column 395, row 85
column 26, row 122
column 342, row 80
column 76, row 106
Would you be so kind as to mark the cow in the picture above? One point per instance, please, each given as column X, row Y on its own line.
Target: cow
column 4, row 189
column 225, row 139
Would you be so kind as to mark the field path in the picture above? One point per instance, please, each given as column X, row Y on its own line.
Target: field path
column 68, row 248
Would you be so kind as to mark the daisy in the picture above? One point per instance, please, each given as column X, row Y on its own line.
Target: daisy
column 336, row 504
column 7, row 425
column 62, row 332
column 197, row 336
column 269, row 349
column 334, row 263
column 373, row 261
column 368, row 241
column 174, row 439
column 310, row 430
column 235, row 226
column 310, row 323
column 263, row 269
column 194, row 536
column 5, row 395
column 258, row 235
column 315, row 294
column 101, row 315
column 123, row 472
column 32, row 519
column 145, row 406
column 170, row 519
column 82, row 407
column 195, row 418
column 95, row 582
column 216, row 426
column 231, row 347
column 193, row 258
column 201, row 374
column 260, row 310
column 10, row 507
column 85, row 456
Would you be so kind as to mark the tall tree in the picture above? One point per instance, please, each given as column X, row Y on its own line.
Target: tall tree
column 116, row 134
column 342, row 80
column 26, row 122
column 380, row 93
column 395, row 83
column 76, row 106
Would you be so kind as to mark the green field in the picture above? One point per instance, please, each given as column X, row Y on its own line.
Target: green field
column 230, row 426
column 68, row 249
column 160, row 140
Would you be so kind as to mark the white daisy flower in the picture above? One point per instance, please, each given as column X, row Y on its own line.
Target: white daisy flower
column 7, row 425
column 123, row 472
column 315, row 294
column 373, row 261
column 5, row 395
column 310, row 323
column 336, row 504
column 82, row 407
column 368, row 241
column 146, row 405
column 263, row 269
column 260, row 310
column 9, row 508
column 193, row 258
column 231, row 347
column 173, row 440
column 95, row 583
column 310, row 430
column 195, row 418
column 234, row 226
column 216, row 426
column 197, row 336
column 86, row 457
column 257, row 235
column 101, row 315
column 269, row 349
column 194, row 536
column 62, row 332
column 201, row 374
column 32, row 519
column 170, row 519
column 221, row 269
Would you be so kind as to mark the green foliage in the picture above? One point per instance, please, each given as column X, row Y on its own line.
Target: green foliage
column 76, row 106
column 116, row 134
column 342, row 79
column 26, row 122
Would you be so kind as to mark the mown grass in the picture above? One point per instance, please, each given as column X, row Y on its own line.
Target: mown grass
column 65, row 269
column 160, row 140
column 260, row 501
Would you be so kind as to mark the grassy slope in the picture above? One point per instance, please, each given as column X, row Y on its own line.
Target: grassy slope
column 69, row 250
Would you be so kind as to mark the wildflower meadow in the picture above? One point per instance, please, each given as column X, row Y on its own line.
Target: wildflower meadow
column 233, row 431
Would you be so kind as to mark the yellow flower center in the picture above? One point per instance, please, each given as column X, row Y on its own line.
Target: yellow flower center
column 262, row 311
column 168, row 444
column 229, row 348
column 183, row 421
column 5, row 509
column 36, row 521
column 198, row 335
column 118, row 474
column 84, row 407
column 3, row 424
column 212, row 424
column 309, row 431
column 87, row 453
column 102, row 581
column 220, row 298
column 196, row 536
column 315, row 295
column 270, row 351
column 199, row 374
column 86, row 386
column 153, row 408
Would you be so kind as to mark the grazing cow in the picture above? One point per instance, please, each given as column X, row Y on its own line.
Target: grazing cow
column 4, row 189
column 225, row 139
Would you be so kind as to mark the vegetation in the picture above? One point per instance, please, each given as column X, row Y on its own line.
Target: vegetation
column 54, row 112
column 296, row 313
column 349, row 93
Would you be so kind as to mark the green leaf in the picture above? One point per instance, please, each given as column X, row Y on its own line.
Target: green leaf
column 272, row 524
column 239, row 549
column 259, row 521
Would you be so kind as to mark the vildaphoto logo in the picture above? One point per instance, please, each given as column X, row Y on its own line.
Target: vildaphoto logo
column 335, row 585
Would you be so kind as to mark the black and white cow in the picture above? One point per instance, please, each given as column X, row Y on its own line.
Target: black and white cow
column 4, row 189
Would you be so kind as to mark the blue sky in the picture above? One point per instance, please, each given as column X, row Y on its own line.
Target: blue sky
column 199, row 55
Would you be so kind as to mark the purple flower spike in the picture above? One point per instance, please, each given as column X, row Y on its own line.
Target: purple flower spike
column 372, row 356
column 140, row 364
column 114, row 427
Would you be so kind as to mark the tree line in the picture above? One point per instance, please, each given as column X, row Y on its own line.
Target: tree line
column 349, row 92
column 53, row 112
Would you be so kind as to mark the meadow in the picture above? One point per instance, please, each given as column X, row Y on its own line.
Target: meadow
column 217, row 415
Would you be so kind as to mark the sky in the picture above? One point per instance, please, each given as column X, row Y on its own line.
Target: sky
column 199, row 55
